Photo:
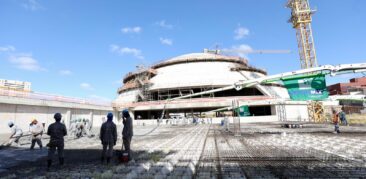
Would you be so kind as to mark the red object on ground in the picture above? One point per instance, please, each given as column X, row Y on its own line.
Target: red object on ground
column 124, row 157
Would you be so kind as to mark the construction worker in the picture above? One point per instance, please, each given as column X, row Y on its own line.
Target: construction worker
column 72, row 128
column 226, row 123
column 56, row 131
column 335, row 122
column 108, row 137
column 88, row 128
column 127, row 132
column 79, row 128
column 16, row 134
column 36, row 130
column 88, row 125
column 342, row 117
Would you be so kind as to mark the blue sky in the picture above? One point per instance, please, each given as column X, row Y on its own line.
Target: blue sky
column 82, row 48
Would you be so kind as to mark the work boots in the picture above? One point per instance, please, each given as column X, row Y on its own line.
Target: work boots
column 61, row 160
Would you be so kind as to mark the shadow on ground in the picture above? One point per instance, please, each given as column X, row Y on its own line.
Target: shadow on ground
column 84, row 161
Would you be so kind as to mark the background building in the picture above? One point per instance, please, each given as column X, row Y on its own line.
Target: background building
column 15, row 85
column 355, row 86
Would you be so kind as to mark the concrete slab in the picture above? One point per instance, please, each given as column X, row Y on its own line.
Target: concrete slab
column 207, row 151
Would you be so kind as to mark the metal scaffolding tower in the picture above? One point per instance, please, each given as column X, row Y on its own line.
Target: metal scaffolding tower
column 316, row 112
column 142, row 80
column 301, row 21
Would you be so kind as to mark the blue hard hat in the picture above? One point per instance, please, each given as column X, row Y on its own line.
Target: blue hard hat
column 125, row 113
column 57, row 117
column 110, row 116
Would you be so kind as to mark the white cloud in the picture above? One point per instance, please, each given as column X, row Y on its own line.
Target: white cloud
column 240, row 33
column 86, row 86
column 166, row 41
column 65, row 72
column 163, row 24
column 25, row 62
column 126, row 51
column 7, row 48
column 239, row 50
column 136, row 30
column 32, row 5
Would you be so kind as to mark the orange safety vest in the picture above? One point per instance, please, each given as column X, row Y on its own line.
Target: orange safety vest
column 335, row 118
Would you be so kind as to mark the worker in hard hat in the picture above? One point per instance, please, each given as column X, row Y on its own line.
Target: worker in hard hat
column 108, row 137
column 342, row 117
column 79, row 128
column 335, row 121
column 56, row 131
column 36, row 130
column 16, row 134
column 127, row 132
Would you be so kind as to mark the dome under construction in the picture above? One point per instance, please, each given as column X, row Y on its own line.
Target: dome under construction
column 147, row 92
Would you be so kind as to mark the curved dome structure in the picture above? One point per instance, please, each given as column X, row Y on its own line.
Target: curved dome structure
column 146, row 90
column 199, row 69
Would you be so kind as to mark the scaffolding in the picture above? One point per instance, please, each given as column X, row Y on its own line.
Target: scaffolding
column 142, row 80
column 316, row 112
column 301, row 21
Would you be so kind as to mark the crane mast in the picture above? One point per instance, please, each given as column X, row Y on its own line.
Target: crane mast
column 301, row 21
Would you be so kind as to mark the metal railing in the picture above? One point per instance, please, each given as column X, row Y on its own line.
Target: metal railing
column 52, row 97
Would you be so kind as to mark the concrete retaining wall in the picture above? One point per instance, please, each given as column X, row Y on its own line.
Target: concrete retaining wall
column 21, row 111
column 22, row 115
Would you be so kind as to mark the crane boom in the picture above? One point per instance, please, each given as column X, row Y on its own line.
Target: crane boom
column 251, row 51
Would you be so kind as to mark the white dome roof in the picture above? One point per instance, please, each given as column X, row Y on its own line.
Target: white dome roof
column 215, row 73
column 195, row 57
column 202, row 56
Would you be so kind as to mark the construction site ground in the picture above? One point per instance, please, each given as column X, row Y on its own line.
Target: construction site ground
column 206, row 151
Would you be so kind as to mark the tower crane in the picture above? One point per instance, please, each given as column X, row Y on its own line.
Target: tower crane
column 301, row 21
column 251, row 51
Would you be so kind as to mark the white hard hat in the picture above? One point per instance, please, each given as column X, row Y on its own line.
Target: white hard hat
column 10, row 123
